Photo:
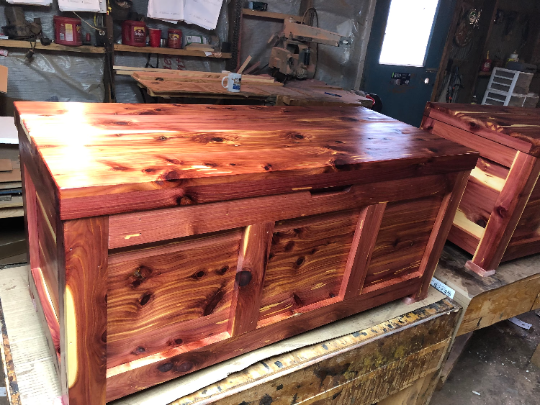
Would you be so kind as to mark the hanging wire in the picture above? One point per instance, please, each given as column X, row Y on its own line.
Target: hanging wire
column 99, row 30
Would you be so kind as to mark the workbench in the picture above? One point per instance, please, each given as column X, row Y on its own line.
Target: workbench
column 167, row 238
column 389, row 354
column 513, row 290
column 162, row 84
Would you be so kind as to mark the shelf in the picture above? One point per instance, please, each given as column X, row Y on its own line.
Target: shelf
column 171, row 51
column 270, row 15
column 12, row 43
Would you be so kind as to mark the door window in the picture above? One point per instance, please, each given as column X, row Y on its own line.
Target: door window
column 407, row 34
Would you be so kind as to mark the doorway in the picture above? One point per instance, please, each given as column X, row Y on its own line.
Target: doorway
column 404, row 51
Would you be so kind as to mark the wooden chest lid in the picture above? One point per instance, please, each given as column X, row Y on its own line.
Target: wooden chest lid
column 203, row 153
column 515, row 127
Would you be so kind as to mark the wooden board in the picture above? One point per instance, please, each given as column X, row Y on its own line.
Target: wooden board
column 134, row 296
column 515, row 127
column 499, row 215
column 218, row 146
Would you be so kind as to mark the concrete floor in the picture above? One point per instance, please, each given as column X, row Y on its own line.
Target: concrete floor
column 495, row 368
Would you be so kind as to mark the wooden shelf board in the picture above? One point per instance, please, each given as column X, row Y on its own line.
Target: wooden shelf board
column 12, row 43
column 170, row 51
column 270, row 15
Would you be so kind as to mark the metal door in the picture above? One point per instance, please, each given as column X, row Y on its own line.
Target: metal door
column 404, row 90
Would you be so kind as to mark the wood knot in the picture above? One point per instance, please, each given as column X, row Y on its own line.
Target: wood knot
column 164, row 368
column 268, row 167
column 300, row 261
column 198, row 275
column 223, row 270
column 501, row 211
column 243, row 278
column 145, row 298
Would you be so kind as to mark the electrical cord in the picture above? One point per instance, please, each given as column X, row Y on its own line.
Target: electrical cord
column 99, row 30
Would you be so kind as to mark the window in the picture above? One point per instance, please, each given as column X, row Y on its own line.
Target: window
column 408, row 30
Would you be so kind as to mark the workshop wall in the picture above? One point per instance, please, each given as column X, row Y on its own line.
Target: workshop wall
column 57, row 76
column 336, row 65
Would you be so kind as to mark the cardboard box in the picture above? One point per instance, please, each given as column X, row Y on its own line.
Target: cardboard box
column 3, row 79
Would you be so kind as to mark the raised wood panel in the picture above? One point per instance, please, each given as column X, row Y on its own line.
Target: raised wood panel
column 403, row 236
column 143, row 373
column 184, row 287
column 307, row 261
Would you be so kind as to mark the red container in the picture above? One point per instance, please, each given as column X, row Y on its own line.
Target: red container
column 67, row 31
column 175, row 38
column 155, row 37
column 134, row 33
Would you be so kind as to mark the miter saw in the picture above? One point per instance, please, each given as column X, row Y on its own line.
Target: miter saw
column 294, row 52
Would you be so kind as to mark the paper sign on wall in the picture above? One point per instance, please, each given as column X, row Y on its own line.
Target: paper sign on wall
column 79, row 5
column 166, row 10
column 204, row 13
column 31, row 2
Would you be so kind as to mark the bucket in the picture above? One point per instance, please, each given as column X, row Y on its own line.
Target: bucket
column 67, row 31
column 134, row 33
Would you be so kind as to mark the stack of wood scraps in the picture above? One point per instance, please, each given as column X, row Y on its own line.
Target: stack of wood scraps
column 11, row 202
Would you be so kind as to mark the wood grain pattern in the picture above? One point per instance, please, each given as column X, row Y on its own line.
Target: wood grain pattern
column 251, row 269
column 401, row 241
column 134, row 376
column 492, row 150
column 84, row 313
column 516, row 127
column 219, row 144
column 440, row 230
column 183, row 288
column 145, row 227
column 186, row 235
column 498, row 217
column 307, row 262
column 365, row 237
column 508, row 209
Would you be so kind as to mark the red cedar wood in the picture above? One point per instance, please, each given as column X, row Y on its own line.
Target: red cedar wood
column 86, row 266
column 145, row 227
column 252, row 260
column 131, row 377
column 508, row 209
column 438, row 236
column 491, row 150
column 477, row 127
column 85, row 250
column 363, row 243
column 463, row 239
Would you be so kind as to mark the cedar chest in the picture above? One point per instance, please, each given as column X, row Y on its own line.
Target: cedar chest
column 166, row 238
column 498, row 218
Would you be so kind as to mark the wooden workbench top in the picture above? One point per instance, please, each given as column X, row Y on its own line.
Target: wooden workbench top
column 516, row 127
column 97, row 151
